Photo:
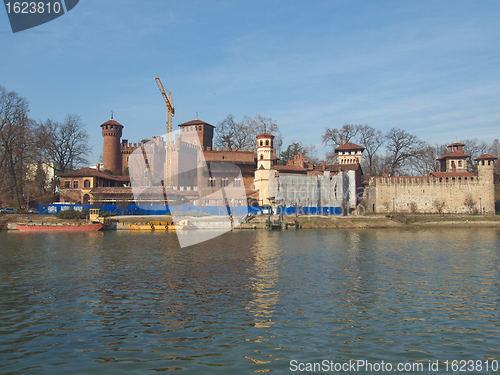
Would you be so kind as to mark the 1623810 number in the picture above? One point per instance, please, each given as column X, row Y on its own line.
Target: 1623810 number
column 478, row 365
column 32, row 7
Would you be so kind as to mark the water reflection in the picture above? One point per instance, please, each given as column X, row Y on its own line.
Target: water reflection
column 248, row 301
column 267, row 256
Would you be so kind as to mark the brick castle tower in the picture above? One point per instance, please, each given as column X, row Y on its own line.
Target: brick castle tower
column 112, row 155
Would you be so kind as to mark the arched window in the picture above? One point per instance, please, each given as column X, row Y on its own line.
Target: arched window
column 224, row 182
column 86, row 183
column 261, row 143
column 261, row 157
column 267, row 143
column 237, row 182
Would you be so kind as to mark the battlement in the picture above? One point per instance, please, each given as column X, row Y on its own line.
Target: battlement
column 227, row 149
column 155, row 143
column 412, row 180
column 441, row 193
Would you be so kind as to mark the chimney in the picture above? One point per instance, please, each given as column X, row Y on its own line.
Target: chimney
column 98, row 167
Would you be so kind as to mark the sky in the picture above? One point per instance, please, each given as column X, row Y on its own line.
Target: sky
column 431, row 68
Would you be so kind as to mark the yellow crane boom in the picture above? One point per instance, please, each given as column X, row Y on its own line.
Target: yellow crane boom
column 167, row 96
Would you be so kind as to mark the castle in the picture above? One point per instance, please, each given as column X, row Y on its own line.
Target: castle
column 255, row 170
column 198, row 169
column 451, row 190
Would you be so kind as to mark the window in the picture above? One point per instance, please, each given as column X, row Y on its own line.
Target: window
column 261, row 157
column 66, row 184
column 224, row 182
column 267, row 143
column 211, row 182
column 261, row 143
column 460, row 163
column 75, row 184
column 86, row 183
column 237, row 182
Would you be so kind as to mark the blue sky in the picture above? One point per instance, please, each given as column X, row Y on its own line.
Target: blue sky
column 431, row 68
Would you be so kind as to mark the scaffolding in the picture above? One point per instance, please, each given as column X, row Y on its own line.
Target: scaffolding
column 325, row 190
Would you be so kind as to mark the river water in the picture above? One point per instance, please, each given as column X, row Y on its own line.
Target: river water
column 251, row 302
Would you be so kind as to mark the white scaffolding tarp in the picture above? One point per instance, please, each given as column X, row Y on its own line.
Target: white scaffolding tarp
column 312, row 191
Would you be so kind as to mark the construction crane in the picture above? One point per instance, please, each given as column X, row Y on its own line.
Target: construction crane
column 167, row 96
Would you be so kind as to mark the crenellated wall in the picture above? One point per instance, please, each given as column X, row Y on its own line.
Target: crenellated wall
column 430, row 194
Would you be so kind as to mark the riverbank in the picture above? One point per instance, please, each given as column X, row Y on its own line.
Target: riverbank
column 396, row 221
column 304, row 221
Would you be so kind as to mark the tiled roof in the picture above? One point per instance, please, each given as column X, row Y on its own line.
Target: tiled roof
column 112, row 122
column 349, row 146
column 454, row 154
column 196, row 122
column 92, row 172
column 112, row 191
column 341, row 167
column 265, row 135
column 485, row 157
column 456, row 144
column 452, row 174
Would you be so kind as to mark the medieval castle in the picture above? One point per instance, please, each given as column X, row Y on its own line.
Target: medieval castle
column 332, row 188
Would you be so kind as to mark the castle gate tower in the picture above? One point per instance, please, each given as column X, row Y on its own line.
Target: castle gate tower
column 486, row 193
column 112, row 157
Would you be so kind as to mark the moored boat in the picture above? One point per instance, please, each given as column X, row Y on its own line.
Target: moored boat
column 59, row 227
column 153, row 225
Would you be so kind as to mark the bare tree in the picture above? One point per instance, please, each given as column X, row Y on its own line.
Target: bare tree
column 243, row 134
column 263, row 124
column 297, row 148
column 470, row 203
column 65, row 144
column 402, row 149
column 226, row 133
column 17, row 149
column 495, row 151
column 439, row 205
column 335, row 137
column 474, row 148
column 426, row 161
column 371, row 139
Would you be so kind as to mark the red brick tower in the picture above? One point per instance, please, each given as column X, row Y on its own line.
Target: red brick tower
column 197, row 132
column 112, row 157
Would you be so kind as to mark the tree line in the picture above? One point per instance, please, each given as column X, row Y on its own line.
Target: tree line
column 395, row 152
column 398, row 152
column 28, row 147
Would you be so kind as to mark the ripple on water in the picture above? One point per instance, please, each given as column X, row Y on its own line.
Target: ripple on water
column 246, row 301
